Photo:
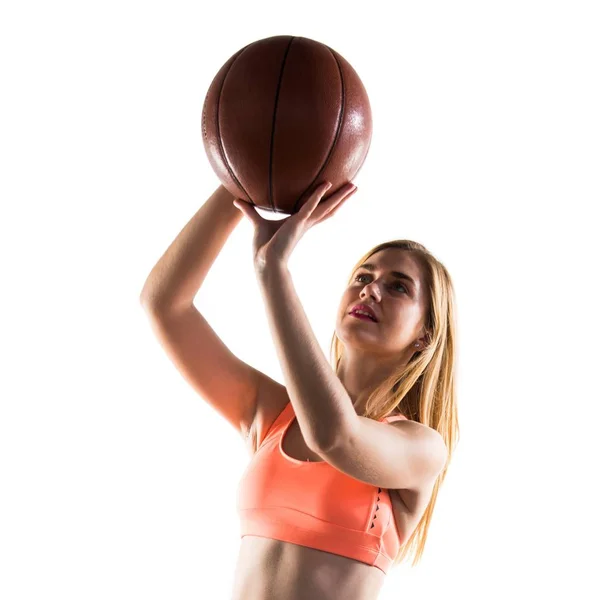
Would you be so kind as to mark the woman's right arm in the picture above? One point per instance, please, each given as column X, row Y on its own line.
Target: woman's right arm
column 176, row 278
column 227, row 383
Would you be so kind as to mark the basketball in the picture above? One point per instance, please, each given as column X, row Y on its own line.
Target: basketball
column 281, row 116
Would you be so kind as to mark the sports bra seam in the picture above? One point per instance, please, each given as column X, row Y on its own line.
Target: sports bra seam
column 375, row 551
column 367, row 532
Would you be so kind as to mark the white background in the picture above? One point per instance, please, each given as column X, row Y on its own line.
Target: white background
column 118, row 481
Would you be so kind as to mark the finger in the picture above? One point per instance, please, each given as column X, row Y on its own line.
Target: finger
column 334, row 201
column 313, row 200
column 248, row 210
column 314, row 204
column 341, row 193
column 331, row 211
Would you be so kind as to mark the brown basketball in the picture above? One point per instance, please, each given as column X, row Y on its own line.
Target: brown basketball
column 281, row 116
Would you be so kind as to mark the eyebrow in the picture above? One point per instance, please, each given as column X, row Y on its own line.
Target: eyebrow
column 397, row 274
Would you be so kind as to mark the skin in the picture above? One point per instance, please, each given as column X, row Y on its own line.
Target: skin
column 372, row 351
column 267, row 568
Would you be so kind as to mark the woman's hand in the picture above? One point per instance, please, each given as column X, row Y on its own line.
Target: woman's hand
column 275, row 240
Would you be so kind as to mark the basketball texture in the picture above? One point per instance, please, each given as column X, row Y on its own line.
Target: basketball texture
column 283, row 115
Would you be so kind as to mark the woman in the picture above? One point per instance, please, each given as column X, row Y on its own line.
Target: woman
column 346, row 462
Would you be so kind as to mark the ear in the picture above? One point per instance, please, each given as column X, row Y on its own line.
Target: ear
column 423, row 342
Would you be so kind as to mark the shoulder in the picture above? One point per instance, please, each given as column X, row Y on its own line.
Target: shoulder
column 426, row 434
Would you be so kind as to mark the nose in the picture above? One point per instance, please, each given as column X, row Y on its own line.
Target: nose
column 371, row 289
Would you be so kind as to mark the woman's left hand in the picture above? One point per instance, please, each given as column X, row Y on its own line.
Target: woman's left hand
column 275, row 240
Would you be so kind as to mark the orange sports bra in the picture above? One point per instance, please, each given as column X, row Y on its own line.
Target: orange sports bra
column 314, row 504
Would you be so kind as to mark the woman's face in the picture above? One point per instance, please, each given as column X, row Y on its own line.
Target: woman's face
column 399, row 302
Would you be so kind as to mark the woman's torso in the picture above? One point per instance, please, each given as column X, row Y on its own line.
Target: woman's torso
column 269, row 569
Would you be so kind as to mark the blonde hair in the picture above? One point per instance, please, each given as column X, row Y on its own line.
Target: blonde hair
column 424, row 390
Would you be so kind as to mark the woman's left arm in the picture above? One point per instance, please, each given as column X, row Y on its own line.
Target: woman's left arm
column 321, row 403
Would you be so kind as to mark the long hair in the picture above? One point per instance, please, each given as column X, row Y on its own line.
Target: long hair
column 424, row 390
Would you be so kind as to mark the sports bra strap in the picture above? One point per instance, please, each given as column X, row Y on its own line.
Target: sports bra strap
column 396, row 418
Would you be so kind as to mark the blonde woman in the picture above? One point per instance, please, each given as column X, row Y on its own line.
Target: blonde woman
column 346, row 458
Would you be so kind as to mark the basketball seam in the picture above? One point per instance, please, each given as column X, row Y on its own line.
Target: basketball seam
column 271, row 149
column 337, row 133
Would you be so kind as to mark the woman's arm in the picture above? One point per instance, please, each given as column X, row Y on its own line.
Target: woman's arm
column 176, row 278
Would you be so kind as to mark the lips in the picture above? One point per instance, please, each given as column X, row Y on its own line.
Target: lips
column 362, row 317
column 366, row 309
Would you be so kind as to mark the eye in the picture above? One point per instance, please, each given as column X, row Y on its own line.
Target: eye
column 394, row 285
